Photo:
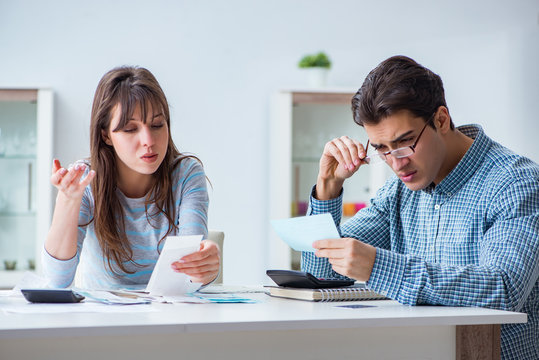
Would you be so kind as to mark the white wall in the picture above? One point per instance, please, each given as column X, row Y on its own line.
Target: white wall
column 219, row 62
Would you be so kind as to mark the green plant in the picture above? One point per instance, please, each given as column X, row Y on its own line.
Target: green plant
column 316, row 60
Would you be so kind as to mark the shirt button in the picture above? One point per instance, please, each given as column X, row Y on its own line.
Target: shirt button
column 449, row 194
column 437, row 207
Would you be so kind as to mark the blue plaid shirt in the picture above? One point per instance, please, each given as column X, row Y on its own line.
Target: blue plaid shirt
column 473, row 240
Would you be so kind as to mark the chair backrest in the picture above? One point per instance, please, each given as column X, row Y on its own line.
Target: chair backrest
column 218, row 237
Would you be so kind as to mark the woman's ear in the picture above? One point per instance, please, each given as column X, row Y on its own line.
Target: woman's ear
column 106, row 137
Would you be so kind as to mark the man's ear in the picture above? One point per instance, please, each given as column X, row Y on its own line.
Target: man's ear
column 442, row 119
column 106, row 137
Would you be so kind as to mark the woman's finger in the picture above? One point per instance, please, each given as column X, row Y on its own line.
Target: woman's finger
column 208, row 268
column 88, row 179
column 72, row 174
column 55, row 166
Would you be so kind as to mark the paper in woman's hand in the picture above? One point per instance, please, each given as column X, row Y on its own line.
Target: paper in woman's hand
column 165, row 281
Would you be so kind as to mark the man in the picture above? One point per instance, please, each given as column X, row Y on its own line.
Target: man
column 459, row 223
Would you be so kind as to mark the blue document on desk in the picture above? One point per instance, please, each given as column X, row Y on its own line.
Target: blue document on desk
column 301, row 232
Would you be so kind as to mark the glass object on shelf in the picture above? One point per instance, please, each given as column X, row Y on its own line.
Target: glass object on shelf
column 2, row 144
column 3, row 201
column 14, row 144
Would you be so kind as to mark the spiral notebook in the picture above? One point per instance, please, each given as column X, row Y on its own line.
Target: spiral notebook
column 348, row 293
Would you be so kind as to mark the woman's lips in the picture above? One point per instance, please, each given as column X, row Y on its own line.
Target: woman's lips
column 407, row 177
column 149, row 158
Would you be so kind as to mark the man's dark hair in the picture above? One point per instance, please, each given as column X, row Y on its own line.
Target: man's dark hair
column 398, row 83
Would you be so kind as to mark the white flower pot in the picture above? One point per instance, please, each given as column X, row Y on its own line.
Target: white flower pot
column 317, row 76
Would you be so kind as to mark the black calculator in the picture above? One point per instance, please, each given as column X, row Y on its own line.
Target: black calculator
column 300, row 279
column 52, row 295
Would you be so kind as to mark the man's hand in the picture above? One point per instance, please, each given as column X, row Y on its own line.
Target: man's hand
column 201, row 266
column 348, row 257
column 341, row 158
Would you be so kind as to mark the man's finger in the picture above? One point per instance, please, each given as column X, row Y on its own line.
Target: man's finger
column 331, row 253
column 328, row 244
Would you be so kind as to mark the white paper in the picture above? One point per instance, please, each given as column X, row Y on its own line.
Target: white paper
column 301, row 232
column 165, row 281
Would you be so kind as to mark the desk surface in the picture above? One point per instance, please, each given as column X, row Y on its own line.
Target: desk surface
column 268, row 314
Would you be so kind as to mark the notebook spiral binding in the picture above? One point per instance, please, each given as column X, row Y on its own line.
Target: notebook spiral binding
column 345, row 294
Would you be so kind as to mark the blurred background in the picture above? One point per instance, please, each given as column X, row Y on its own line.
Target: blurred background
column 220, row 62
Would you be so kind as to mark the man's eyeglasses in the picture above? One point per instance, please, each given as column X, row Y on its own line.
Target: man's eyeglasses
column 399, row 153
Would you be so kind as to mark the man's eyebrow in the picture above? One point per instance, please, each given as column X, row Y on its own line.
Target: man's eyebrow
column 394, row 141
column 157, row 115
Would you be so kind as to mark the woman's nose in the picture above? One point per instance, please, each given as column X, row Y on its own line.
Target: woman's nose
column 146, row 136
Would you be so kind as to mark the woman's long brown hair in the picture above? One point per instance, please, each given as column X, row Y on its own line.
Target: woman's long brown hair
column 126, row 87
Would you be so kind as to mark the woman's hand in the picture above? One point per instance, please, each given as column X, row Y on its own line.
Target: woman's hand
column 61, row 241
column 203, row 265
column 68, row 181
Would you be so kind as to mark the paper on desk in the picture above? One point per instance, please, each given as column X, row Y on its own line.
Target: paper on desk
column 111, row 297
column 165, row 281
column 301, row 232
column 17, row 304
column 200, row 298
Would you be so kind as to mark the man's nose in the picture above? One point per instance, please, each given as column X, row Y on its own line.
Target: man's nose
column 398, row 163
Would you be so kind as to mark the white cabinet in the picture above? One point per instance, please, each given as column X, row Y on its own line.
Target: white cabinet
column 26, row 128
column 301, row 123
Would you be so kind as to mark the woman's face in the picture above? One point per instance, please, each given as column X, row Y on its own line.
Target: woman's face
column 140, row 147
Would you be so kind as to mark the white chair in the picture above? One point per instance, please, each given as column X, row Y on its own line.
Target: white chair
column 218, row 237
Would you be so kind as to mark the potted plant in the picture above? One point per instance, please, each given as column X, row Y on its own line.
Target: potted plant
column 317, row 66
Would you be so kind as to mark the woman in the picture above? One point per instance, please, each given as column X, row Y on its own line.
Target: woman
column 140, row 189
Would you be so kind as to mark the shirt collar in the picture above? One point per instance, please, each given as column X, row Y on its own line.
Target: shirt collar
column 468, row 165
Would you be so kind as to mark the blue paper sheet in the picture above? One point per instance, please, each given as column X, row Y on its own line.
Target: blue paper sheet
column 301, row 232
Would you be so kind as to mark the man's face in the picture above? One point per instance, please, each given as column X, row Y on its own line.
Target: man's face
column 399, row 130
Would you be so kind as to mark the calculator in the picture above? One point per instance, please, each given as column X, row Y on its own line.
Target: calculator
column 52, row 295
column 300, row 279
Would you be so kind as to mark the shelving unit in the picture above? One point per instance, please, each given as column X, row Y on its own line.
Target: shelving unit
column 302, row 122
column 26, row 123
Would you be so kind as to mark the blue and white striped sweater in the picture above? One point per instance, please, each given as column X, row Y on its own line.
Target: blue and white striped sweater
column 191, row 201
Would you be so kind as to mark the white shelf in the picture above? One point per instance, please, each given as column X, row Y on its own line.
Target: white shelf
column 302, row 121
column 9, row 278
column 26, row 119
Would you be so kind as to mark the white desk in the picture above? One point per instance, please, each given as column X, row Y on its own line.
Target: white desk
column 272, row 329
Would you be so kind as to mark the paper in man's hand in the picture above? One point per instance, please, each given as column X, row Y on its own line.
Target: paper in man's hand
column 301, row 232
